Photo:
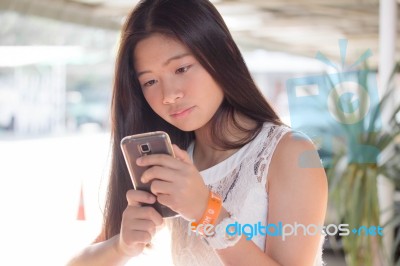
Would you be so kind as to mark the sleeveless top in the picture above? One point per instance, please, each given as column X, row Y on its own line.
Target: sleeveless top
column 240, row 180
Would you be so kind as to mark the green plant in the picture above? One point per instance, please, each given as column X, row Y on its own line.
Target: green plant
column 357, row 164
column 360, row 154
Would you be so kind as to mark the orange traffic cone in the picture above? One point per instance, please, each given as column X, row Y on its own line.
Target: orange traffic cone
column 81, row 207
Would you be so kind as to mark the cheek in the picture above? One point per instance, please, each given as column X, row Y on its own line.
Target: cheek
column 216, row 94
column 154, row 100
column 150, row 97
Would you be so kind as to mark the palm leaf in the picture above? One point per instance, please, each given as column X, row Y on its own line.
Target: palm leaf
column 353, row 186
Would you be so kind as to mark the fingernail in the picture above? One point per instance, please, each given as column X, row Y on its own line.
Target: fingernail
column 143, row 180
column 139, row 160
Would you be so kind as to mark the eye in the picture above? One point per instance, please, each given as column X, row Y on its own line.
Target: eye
column 182, row 69
column 150, row 83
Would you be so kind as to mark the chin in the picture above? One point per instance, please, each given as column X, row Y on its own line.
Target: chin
column 189, row 126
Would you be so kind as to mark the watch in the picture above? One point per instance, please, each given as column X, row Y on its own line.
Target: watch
column 221, row 238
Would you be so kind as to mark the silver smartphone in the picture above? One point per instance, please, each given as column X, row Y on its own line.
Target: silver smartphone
column 139, row 145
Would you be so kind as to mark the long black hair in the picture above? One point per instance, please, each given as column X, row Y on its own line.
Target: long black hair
column 197, row 25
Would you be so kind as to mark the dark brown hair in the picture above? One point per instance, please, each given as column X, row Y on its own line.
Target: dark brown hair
column 199, row 26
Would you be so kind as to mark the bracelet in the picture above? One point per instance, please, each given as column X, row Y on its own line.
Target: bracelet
column 224, row 237
column 211, row 213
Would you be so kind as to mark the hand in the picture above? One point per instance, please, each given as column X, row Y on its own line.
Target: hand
column 138, row 224
column 176, row 182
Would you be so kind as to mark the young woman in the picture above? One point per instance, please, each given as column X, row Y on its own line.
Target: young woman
column 178, row 70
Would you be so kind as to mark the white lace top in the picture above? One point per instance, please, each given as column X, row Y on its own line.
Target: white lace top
column 240, row 180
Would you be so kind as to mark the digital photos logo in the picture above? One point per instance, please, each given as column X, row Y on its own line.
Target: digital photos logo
column 337, row 108
column 281, row 230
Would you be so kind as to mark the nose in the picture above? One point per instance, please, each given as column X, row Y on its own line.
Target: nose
column 171, row 94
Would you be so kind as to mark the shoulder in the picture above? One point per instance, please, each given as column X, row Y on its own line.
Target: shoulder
column 297, row 193
column 294, row 158
column 298, row 147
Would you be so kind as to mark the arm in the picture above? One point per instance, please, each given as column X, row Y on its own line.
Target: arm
column 138, row 226
column 296, row 194
column 235, row 255
column 102, row 253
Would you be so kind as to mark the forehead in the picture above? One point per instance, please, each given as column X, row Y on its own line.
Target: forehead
column 157, row 48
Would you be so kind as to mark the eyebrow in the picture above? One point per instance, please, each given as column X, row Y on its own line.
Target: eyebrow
column 176, row 57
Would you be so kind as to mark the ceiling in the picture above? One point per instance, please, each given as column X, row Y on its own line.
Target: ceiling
column 302, row 27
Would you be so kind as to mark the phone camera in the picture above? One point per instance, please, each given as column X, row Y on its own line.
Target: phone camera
column 145, row 148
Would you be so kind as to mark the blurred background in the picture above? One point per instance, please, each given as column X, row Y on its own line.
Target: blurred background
column 56, row 77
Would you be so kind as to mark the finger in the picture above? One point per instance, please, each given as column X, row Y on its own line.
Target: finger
column 142, row 225
column 161, row 187
column 166, row 200
column 139, row 236
column 158, row 172
column 135, row 197
column 148, row 213
column 158, row 159
column 181, row 154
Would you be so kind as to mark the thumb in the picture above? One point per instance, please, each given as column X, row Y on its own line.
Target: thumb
column 181, row 154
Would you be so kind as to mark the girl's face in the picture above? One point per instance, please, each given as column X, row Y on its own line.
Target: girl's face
column 175, row 84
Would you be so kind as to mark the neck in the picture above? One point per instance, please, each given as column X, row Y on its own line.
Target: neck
column 207, row 154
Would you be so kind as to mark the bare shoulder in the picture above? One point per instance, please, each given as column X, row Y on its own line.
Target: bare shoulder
column 297, row 193
column 296, row 148
column 295, row 156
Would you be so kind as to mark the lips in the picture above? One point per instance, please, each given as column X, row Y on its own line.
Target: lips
column 181, row 112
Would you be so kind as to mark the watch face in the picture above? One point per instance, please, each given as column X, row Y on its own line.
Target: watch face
column 232, row 236
column 221, row 238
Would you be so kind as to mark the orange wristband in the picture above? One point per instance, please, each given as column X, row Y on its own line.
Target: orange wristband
column 211, row 213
